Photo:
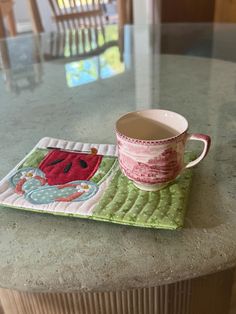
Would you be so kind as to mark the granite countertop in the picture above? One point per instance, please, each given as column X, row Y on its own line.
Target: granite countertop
column 40, row 252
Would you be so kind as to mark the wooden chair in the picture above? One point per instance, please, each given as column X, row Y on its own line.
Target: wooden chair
column 74, row 14
column 77, row 44
column 125, row 12
column 2, row 27
column 80, row 29
column 69, row 14
column 6, row 10
column 79, row 21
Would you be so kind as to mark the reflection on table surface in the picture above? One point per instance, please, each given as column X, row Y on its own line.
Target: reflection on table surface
column 91, row 69
column 101, row 52
column 87, row 54
column 21, row 64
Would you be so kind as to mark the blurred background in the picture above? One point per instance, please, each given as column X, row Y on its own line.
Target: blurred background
column 100, row 33
column 24, row 16
column 23, row 13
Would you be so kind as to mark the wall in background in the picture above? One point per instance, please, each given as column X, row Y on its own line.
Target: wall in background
column 225, row 11
column 171, row 11
column 21, row 12
column 184, row 11
column 22, row 15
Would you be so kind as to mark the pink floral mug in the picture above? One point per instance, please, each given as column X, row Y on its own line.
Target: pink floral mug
column 151, row 146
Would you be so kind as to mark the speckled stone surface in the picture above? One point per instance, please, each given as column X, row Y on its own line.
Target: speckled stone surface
column 46, row 253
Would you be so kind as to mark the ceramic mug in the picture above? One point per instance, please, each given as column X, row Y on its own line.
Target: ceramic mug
column 151, row 146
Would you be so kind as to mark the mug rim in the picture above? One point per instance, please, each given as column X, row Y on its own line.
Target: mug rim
column 160, row 141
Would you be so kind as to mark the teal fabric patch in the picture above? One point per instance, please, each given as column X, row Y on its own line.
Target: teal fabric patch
column 25, row 173
column 73, row 192
column 30, row 185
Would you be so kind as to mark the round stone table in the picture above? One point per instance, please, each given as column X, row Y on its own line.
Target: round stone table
column 66, row 265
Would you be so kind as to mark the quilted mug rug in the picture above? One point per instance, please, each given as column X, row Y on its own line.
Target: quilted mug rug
column 84, row 180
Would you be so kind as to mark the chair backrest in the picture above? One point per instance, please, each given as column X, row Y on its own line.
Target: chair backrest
column 6, row 11
column 75, row 14
column 2, row 28
column 76, row 44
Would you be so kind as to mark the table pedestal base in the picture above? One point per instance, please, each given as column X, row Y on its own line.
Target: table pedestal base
column 205, row 295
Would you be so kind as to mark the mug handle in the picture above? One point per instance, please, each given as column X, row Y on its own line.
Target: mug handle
column 207, row 143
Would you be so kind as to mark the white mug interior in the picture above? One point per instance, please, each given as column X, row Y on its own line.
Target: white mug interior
column 151, row 125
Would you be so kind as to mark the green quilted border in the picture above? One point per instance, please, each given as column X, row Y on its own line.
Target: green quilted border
column 34, row 159
column 124, row 203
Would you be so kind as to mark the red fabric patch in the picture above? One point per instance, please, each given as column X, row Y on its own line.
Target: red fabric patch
column 19, row 185
column 61, row 167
